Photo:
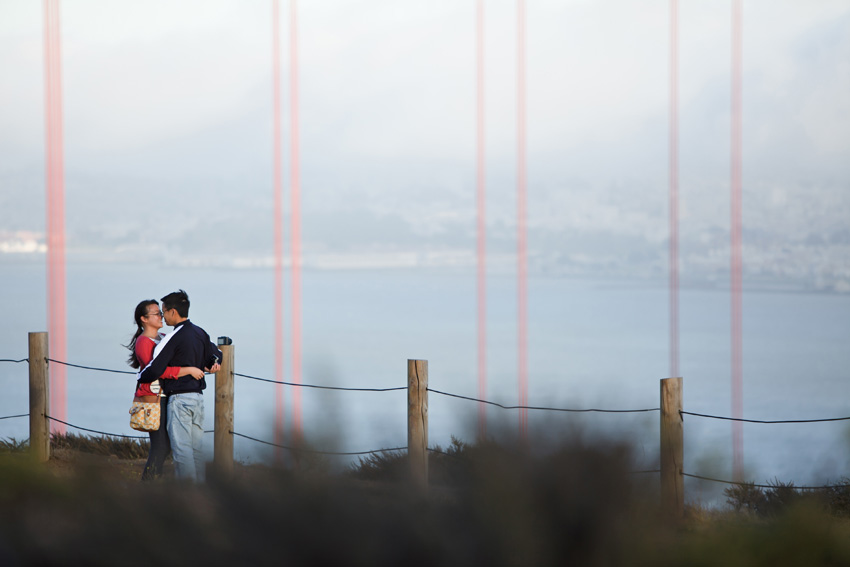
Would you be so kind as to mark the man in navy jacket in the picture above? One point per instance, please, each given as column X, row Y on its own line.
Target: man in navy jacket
column 186, row 345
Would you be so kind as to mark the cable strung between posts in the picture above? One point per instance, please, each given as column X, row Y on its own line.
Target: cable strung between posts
column 318, row 452
column 11, row 416
column 91, row 367
column 322, row 387
column 94, row 430
column 542, row 408
column 765, row 421
column 15, row 361
column 762, row 485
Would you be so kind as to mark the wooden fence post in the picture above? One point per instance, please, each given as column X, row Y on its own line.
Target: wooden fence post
column 672, row 448
column 39, row 397
column 223, row 436
column 417, row 420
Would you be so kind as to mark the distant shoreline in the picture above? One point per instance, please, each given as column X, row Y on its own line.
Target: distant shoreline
column 502, row 267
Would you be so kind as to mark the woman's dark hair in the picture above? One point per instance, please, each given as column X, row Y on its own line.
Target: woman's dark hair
column 141, row 311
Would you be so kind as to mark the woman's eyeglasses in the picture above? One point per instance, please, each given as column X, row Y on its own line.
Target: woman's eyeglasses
column 155, row 314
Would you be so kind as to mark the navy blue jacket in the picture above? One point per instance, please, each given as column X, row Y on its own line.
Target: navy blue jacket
column 186, row 345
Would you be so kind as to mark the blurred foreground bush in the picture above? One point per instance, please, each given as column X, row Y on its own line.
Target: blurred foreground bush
column 488, row 505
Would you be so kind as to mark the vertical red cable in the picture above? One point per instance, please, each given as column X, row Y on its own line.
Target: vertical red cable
column 736, row 244
column 481, row 201
column 55, row 177
column 674, row 187
column 522, row 260
column 278, row 231
column 295, row 225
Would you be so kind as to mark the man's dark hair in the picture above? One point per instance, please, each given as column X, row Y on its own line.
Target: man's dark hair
column 178, row 300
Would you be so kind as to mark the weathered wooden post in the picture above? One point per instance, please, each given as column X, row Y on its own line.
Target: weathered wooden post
column 39, row 397
column 417, row 420
column 672, row 448
column 223, row 436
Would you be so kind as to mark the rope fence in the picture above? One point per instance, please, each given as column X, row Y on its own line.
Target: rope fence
column 540, row 408
column 316, row 452
column 104, row 432
column 393, row 389
column 94, row 430
column 431, row 450
column 680, row 413
column 91, row 367
column 458, row 396
column 743, row 483
column 321, row 387
column 766, row 421
column 451, row 395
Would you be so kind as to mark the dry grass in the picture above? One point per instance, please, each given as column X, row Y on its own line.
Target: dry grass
column 119, row 447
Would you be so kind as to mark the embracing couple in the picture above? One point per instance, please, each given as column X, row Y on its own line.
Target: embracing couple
column 171, row 371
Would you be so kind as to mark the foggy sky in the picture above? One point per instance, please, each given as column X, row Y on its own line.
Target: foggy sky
column 170, row 105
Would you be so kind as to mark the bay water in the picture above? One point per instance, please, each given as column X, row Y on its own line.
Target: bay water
column 591, row 344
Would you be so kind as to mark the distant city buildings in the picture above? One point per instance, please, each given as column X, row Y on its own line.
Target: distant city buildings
column 800, row 264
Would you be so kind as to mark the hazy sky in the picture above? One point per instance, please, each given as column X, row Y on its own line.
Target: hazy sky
column 171, row 102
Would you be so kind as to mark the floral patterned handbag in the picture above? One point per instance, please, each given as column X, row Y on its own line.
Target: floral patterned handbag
column 144, row 416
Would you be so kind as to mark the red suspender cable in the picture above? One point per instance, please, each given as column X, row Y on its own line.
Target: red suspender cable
column 295, row 183
column 481, row 201
column 736, row 245
column 278, row 232
column 55, row 174
column 522, row 260
column 674, row 188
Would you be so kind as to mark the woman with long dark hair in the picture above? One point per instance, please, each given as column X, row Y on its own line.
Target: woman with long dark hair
column 148, row 319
